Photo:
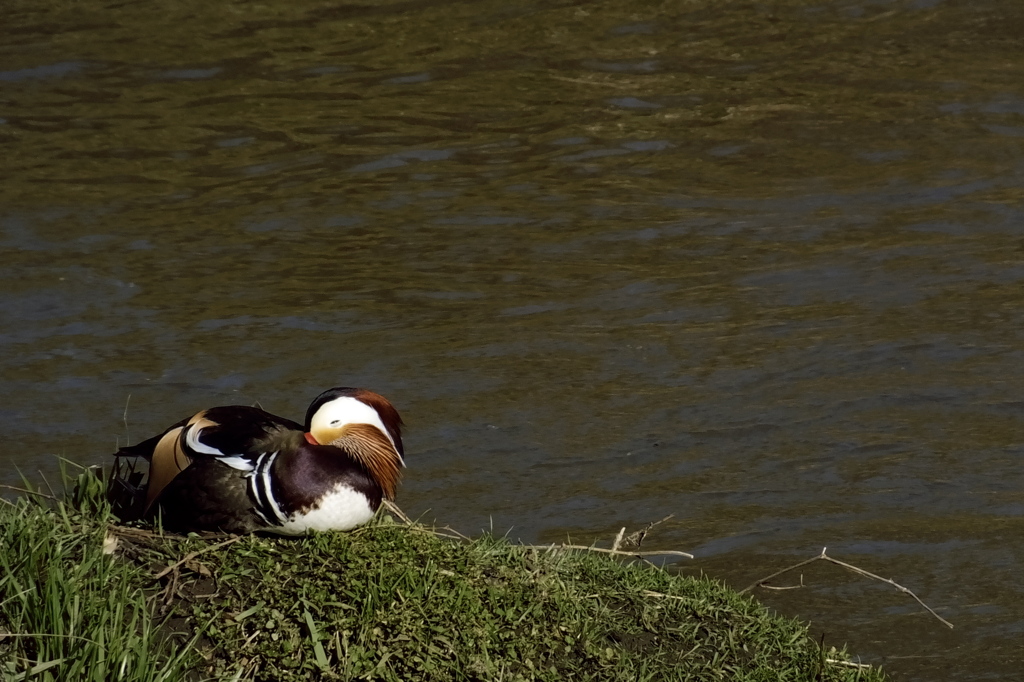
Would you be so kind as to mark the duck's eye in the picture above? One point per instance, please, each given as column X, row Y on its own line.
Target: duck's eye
column 335, row 422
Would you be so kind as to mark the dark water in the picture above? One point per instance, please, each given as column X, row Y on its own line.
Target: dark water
column 756, row 265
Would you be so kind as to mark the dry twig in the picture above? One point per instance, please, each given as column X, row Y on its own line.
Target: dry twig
column 448, row 532
column 444, row 531
column 783, row 588
column 848, row 664
column 397, row 511
column 849, row 567
column 618, row 539
column 437, row 532
column 636, row 539
column 143, row 534
column 666, row 552
column 662, row 595
column 192, row 555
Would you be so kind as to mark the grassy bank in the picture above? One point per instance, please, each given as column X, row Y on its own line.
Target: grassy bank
column 386, row 602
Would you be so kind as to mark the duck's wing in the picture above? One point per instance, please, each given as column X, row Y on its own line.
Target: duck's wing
column 234, row 435
column 129, row 482
column 145, row 448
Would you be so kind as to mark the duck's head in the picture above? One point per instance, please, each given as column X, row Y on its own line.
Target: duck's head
column 340, row 413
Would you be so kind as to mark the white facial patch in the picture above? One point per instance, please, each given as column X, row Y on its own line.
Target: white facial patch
column 347, row 410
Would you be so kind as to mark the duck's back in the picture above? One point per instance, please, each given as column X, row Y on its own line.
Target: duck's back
column 197, row 468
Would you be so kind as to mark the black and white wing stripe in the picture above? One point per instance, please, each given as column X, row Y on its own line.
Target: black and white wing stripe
column 261, row 489
column 192, row 437
column 234, row 435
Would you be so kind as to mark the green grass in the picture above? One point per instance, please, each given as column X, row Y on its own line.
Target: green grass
column 67, row 611
column 386, row 602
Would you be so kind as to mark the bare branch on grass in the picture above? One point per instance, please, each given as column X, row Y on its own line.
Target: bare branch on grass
column 854, row 569
column 636, row 539
column 444, row 531
column 586, row 548
column 397, row 511
column 783, row 588
column 662, row 595
column 143, row 534
column 848, row 664
column 618, row 539
column 448, row 532
column 192, row 555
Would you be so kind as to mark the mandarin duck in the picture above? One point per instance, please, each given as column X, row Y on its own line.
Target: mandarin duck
column 240, row 469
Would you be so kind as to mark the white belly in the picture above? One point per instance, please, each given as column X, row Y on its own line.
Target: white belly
column 341, row 509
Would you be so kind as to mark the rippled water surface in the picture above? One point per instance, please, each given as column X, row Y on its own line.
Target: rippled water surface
column 757, row 265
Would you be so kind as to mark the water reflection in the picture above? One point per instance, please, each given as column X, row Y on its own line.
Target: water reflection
column 758, row 267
